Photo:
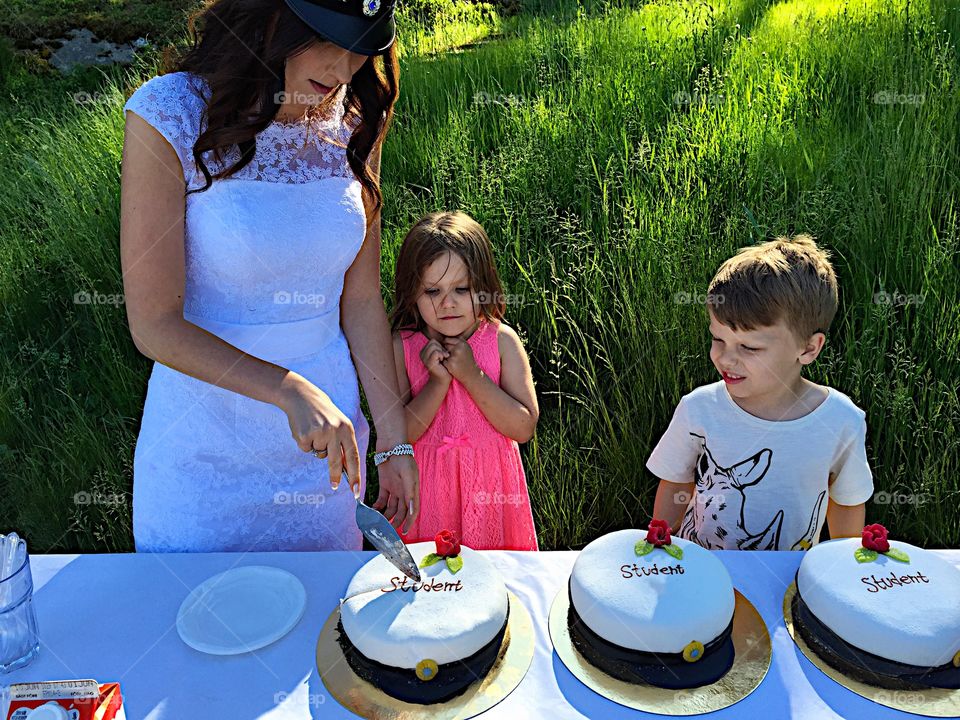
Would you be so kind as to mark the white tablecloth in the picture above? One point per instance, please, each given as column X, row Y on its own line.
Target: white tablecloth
column 113, row 618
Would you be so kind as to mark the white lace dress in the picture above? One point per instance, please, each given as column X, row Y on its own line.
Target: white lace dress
column 266, row 251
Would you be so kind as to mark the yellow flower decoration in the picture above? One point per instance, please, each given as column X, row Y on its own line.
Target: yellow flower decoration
column 693, row 651
column 956, row 659
column 427, row 669
column 805, row 544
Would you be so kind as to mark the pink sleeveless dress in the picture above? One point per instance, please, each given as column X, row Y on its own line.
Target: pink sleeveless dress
column 471, row 477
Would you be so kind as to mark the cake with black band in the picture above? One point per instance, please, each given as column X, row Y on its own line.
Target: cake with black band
column 451, row 679
column 883, row 613
column 649, row 608
column 425, row 642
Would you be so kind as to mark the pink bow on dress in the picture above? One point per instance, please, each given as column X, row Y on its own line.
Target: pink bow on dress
column 450, row 442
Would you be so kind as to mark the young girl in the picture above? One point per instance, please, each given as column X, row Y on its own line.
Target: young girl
column 466, row 384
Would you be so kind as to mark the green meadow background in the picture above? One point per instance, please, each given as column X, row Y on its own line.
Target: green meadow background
column 616, row 153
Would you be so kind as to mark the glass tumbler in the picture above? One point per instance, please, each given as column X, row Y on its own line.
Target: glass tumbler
column 19, row 640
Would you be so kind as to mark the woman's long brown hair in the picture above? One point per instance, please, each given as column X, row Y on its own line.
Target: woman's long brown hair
column 240, row 48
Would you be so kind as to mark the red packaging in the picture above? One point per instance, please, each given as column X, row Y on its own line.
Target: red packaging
column 80, row 699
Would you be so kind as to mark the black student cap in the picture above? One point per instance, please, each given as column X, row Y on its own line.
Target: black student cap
column 366, row 27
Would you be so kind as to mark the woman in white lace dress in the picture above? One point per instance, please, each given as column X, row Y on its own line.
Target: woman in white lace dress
column 250, row 245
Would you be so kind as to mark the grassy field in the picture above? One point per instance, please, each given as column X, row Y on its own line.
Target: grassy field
column 616, row 154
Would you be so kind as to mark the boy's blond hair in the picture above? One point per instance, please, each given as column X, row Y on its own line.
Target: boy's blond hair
column 789, row 279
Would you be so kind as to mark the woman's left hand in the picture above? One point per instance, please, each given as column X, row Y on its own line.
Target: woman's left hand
column 399, row 498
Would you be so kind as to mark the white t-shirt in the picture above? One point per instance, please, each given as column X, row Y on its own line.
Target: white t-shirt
column 762, row 484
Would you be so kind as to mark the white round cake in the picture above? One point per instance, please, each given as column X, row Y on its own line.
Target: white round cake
column 445, row 618
column 654, row 602
column 908, row 612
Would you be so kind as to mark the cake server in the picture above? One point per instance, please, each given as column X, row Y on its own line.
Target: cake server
column 385, row 538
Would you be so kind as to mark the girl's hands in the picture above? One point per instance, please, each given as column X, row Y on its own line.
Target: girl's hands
column 433, row 356
column 399, row 498
column 460, row 361
column 317, row 424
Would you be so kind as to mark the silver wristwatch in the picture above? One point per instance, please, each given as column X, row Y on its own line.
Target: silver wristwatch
column 401, row 449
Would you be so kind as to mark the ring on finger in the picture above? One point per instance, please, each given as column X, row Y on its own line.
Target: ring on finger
column 320, row 453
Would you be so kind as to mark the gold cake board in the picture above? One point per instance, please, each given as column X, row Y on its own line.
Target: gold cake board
column 367, row 701
column 932, row 702
column 751, row 643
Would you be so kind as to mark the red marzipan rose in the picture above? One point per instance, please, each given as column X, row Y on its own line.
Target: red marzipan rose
column 447, row 543
column 875, row 538
column 658, row 533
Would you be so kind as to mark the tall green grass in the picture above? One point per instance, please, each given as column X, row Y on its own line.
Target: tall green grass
column 616, row 154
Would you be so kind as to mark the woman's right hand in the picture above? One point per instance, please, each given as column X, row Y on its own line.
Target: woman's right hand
column 317, row 424
column 432, row 356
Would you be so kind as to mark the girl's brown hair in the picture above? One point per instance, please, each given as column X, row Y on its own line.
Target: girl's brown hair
column 241, row 49
column 432, row 236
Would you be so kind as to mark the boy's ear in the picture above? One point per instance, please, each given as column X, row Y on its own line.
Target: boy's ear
column 812, row 348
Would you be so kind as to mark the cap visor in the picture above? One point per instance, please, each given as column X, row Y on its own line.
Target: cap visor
column 361, row 35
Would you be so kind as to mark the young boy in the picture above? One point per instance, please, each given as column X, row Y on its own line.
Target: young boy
column 757, row 460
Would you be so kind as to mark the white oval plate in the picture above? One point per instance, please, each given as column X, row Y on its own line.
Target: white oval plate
column 240, row 610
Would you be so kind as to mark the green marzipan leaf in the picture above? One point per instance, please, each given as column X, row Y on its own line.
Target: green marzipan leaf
column 429, row 560
column 863, row 555
column 454, row 563
column 643, row 547
column 896, row 554
column 674, row 551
